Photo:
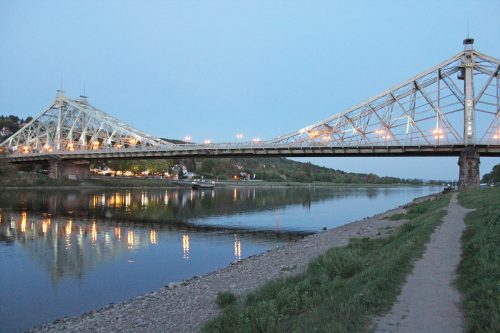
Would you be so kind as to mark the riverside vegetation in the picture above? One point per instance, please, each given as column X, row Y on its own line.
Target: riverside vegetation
column 479, row 270
column 341, row 290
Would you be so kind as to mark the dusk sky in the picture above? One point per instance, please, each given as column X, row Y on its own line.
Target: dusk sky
column 212, row 69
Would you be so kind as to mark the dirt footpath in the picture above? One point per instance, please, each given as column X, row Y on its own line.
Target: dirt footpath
column 429, row 302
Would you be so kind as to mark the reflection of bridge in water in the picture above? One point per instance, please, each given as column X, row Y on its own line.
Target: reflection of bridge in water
column 451, row 109
column 71, row 232
column 174, row 207
column 70, row 247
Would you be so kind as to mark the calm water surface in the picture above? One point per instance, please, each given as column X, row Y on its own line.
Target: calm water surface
column 66, row 252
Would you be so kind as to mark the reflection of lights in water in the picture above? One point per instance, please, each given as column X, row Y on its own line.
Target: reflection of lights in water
column 235, row 194
column 119, row 200
column 130, row 239
column 0, row 215
column 94, row 201
column 118, row 232
column 69, row 227
column 185, row 246
column 23, row 222
column 278, row 220
column 127, row 199
column 144, row 199
column 237, row 247
column 107, row 238
column 103, row 200
column 45, row 225
column 191, row 195
column 79, row 238
column 68, row 236
column 116, row 200
column 213, row 194
column 153, row 237
column 93, row 232
column 165, row 198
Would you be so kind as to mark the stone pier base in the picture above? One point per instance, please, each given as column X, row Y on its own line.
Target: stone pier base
column 469, row 169
column 69, row 169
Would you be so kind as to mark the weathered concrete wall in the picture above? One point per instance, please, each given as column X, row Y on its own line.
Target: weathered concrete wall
column 469, row 168
column 69, row 169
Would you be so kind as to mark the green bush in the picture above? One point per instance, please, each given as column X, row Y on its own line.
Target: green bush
column 225, row 299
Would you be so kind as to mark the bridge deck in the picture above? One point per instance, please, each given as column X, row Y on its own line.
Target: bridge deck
column 191, row 151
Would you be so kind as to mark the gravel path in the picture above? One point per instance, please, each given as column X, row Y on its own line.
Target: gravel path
column 428, row 301
column 185, row 306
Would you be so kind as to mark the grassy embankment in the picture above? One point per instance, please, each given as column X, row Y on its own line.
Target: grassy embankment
column 29, row 179
column 39, row 180
column 479, row 270
column 341, row 290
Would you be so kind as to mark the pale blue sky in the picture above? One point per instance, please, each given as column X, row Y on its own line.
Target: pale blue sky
column 212, row 69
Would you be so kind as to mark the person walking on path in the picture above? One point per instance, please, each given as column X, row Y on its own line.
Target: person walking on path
column 428, row 301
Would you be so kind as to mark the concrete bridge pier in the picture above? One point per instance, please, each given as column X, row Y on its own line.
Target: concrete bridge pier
column 468, row 163
column 69, row 169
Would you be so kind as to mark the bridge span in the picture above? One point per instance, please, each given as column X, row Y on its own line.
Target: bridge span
column 451, row 109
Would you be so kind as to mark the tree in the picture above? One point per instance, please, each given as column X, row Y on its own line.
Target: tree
column 493, row 176
column 208, row 168
column 159, row 166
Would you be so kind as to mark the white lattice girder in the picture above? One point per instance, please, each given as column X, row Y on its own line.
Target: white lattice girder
column 424, row 110
column 72, row 125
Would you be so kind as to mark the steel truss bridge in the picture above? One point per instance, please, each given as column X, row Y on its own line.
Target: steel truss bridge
column 448, row 109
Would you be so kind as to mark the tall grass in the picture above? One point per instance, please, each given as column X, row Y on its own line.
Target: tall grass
column 340, row 290
column 479, row 270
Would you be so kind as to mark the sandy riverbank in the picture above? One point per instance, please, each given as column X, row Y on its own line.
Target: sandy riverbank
column 185, row 306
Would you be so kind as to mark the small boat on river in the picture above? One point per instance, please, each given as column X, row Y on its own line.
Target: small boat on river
column 194, row 184
column 202, row 185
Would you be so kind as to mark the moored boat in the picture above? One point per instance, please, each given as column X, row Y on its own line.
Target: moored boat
column 194, row 184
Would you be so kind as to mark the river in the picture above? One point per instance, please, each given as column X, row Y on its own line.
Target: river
column 65, row 252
